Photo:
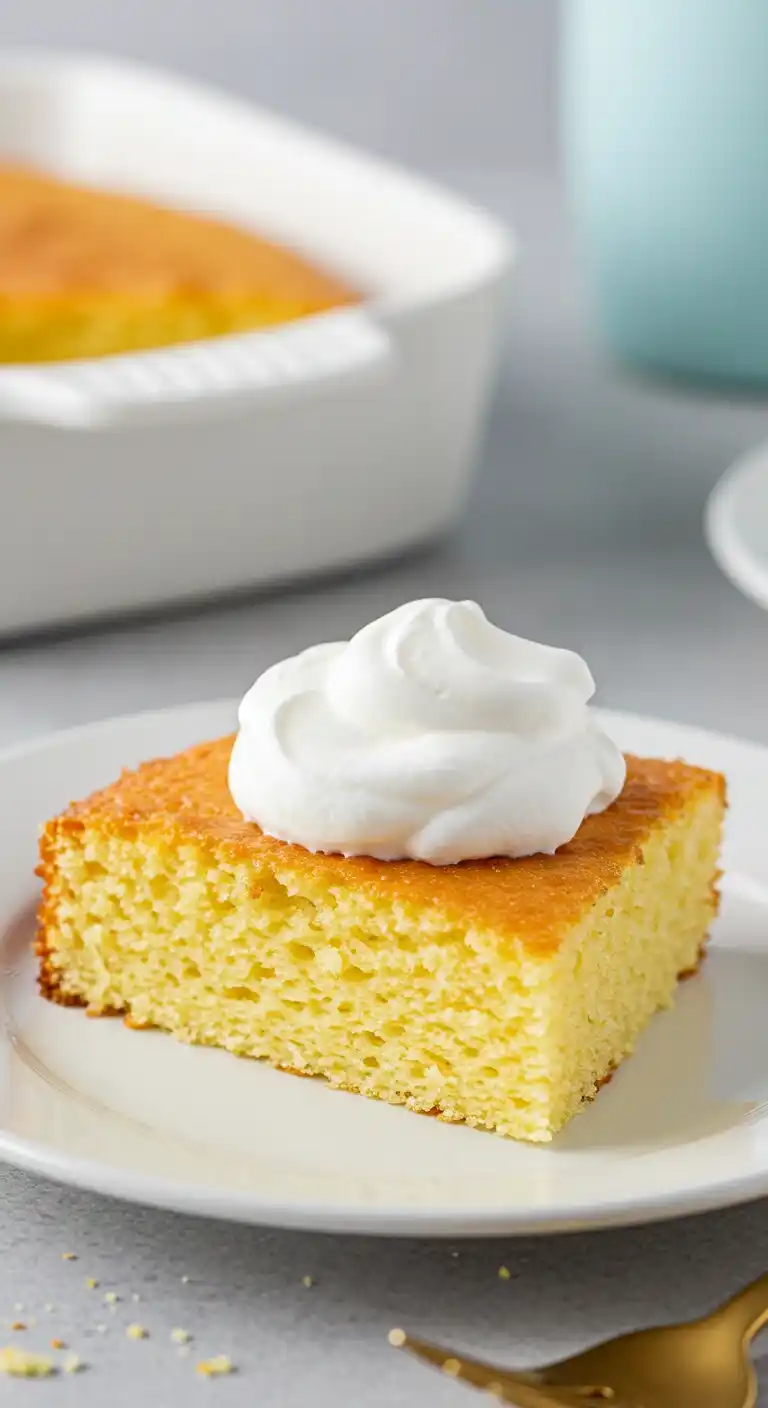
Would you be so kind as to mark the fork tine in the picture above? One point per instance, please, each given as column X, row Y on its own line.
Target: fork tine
column 522, row 1390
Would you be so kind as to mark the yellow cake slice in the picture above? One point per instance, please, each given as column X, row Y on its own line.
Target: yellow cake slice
column 86, row 273
column 500, row 993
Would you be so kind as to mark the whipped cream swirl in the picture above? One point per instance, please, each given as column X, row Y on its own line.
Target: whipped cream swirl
column 432, row 734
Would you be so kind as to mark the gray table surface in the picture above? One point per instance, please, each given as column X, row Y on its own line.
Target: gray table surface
column 584, row 529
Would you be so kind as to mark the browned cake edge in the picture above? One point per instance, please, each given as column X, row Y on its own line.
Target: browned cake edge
column 536, row 899
column 95, row 810
column 57, row 205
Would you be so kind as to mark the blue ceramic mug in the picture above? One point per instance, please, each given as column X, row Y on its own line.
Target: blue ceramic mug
column 665, row 133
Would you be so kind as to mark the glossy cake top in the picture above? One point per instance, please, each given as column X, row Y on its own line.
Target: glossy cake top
column 59, row 240
column 186, row 799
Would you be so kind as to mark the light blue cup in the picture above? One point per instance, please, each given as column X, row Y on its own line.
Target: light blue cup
column 665, row 132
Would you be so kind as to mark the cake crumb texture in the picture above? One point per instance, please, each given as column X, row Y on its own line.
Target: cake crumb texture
column 22, row 1364
column 499, row 993
column 214, row 1368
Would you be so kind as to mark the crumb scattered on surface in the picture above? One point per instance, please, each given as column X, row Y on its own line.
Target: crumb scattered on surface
column 185, row 1280
column 20, row 1364
column 91, row 1283
column 180, row 1336
column 308, row 1281
column 73, row 1364
column 504, row 1273
column 57, row 1344
column 136, row 1332
column 212, row 1368
column 18, row 1325
column 396, row 1338
column 451, row 1367
column 111, row 1298
column 69, row 1256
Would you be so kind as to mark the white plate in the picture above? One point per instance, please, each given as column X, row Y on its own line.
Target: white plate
column 737, row 524
column 683, row 1126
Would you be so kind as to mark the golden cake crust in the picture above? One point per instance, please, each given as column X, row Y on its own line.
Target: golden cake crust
column 537, row 899
column 59, row 240
column 87, row 273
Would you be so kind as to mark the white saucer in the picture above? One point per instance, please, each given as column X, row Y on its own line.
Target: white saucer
column 736, row 524
column 682, row 1127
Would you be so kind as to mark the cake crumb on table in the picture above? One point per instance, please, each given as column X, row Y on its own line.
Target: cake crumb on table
column 20, row 1364
column 91, row 1283
column 180, row 1336
column 504, row 1273
column 136, row 1332
column 212, row 1368
column 396, row 1338
column 58, row 1344
column 69, row 1256
column 308, row 1281
column 73, row 1364
column 18, row 1325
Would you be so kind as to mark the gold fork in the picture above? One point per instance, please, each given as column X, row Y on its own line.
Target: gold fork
column 700, row 1364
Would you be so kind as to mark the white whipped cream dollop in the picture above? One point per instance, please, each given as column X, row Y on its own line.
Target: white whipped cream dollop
column 432, row 734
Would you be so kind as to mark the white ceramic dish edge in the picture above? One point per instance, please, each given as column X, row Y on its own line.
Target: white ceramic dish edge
column 219, row 466
column 206, row 378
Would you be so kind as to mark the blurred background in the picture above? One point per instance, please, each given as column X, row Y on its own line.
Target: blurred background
column 584, row 524
column 425, row 83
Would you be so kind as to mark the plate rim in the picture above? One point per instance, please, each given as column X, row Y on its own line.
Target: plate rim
column 743, row 568
column 385, row 1219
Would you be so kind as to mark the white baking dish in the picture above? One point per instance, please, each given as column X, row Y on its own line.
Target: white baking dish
column 131, row 480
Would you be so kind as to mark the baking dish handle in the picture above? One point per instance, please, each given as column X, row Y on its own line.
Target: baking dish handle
column 197, row 379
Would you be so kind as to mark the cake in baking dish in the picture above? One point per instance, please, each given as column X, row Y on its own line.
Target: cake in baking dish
column 500, row 993
column 87, row 273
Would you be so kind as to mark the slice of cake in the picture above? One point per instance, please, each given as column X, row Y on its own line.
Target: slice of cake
column 498, row 992
column 86, row 273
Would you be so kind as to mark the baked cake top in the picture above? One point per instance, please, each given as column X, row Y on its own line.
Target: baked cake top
column 186, row 799
column 59, row 240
